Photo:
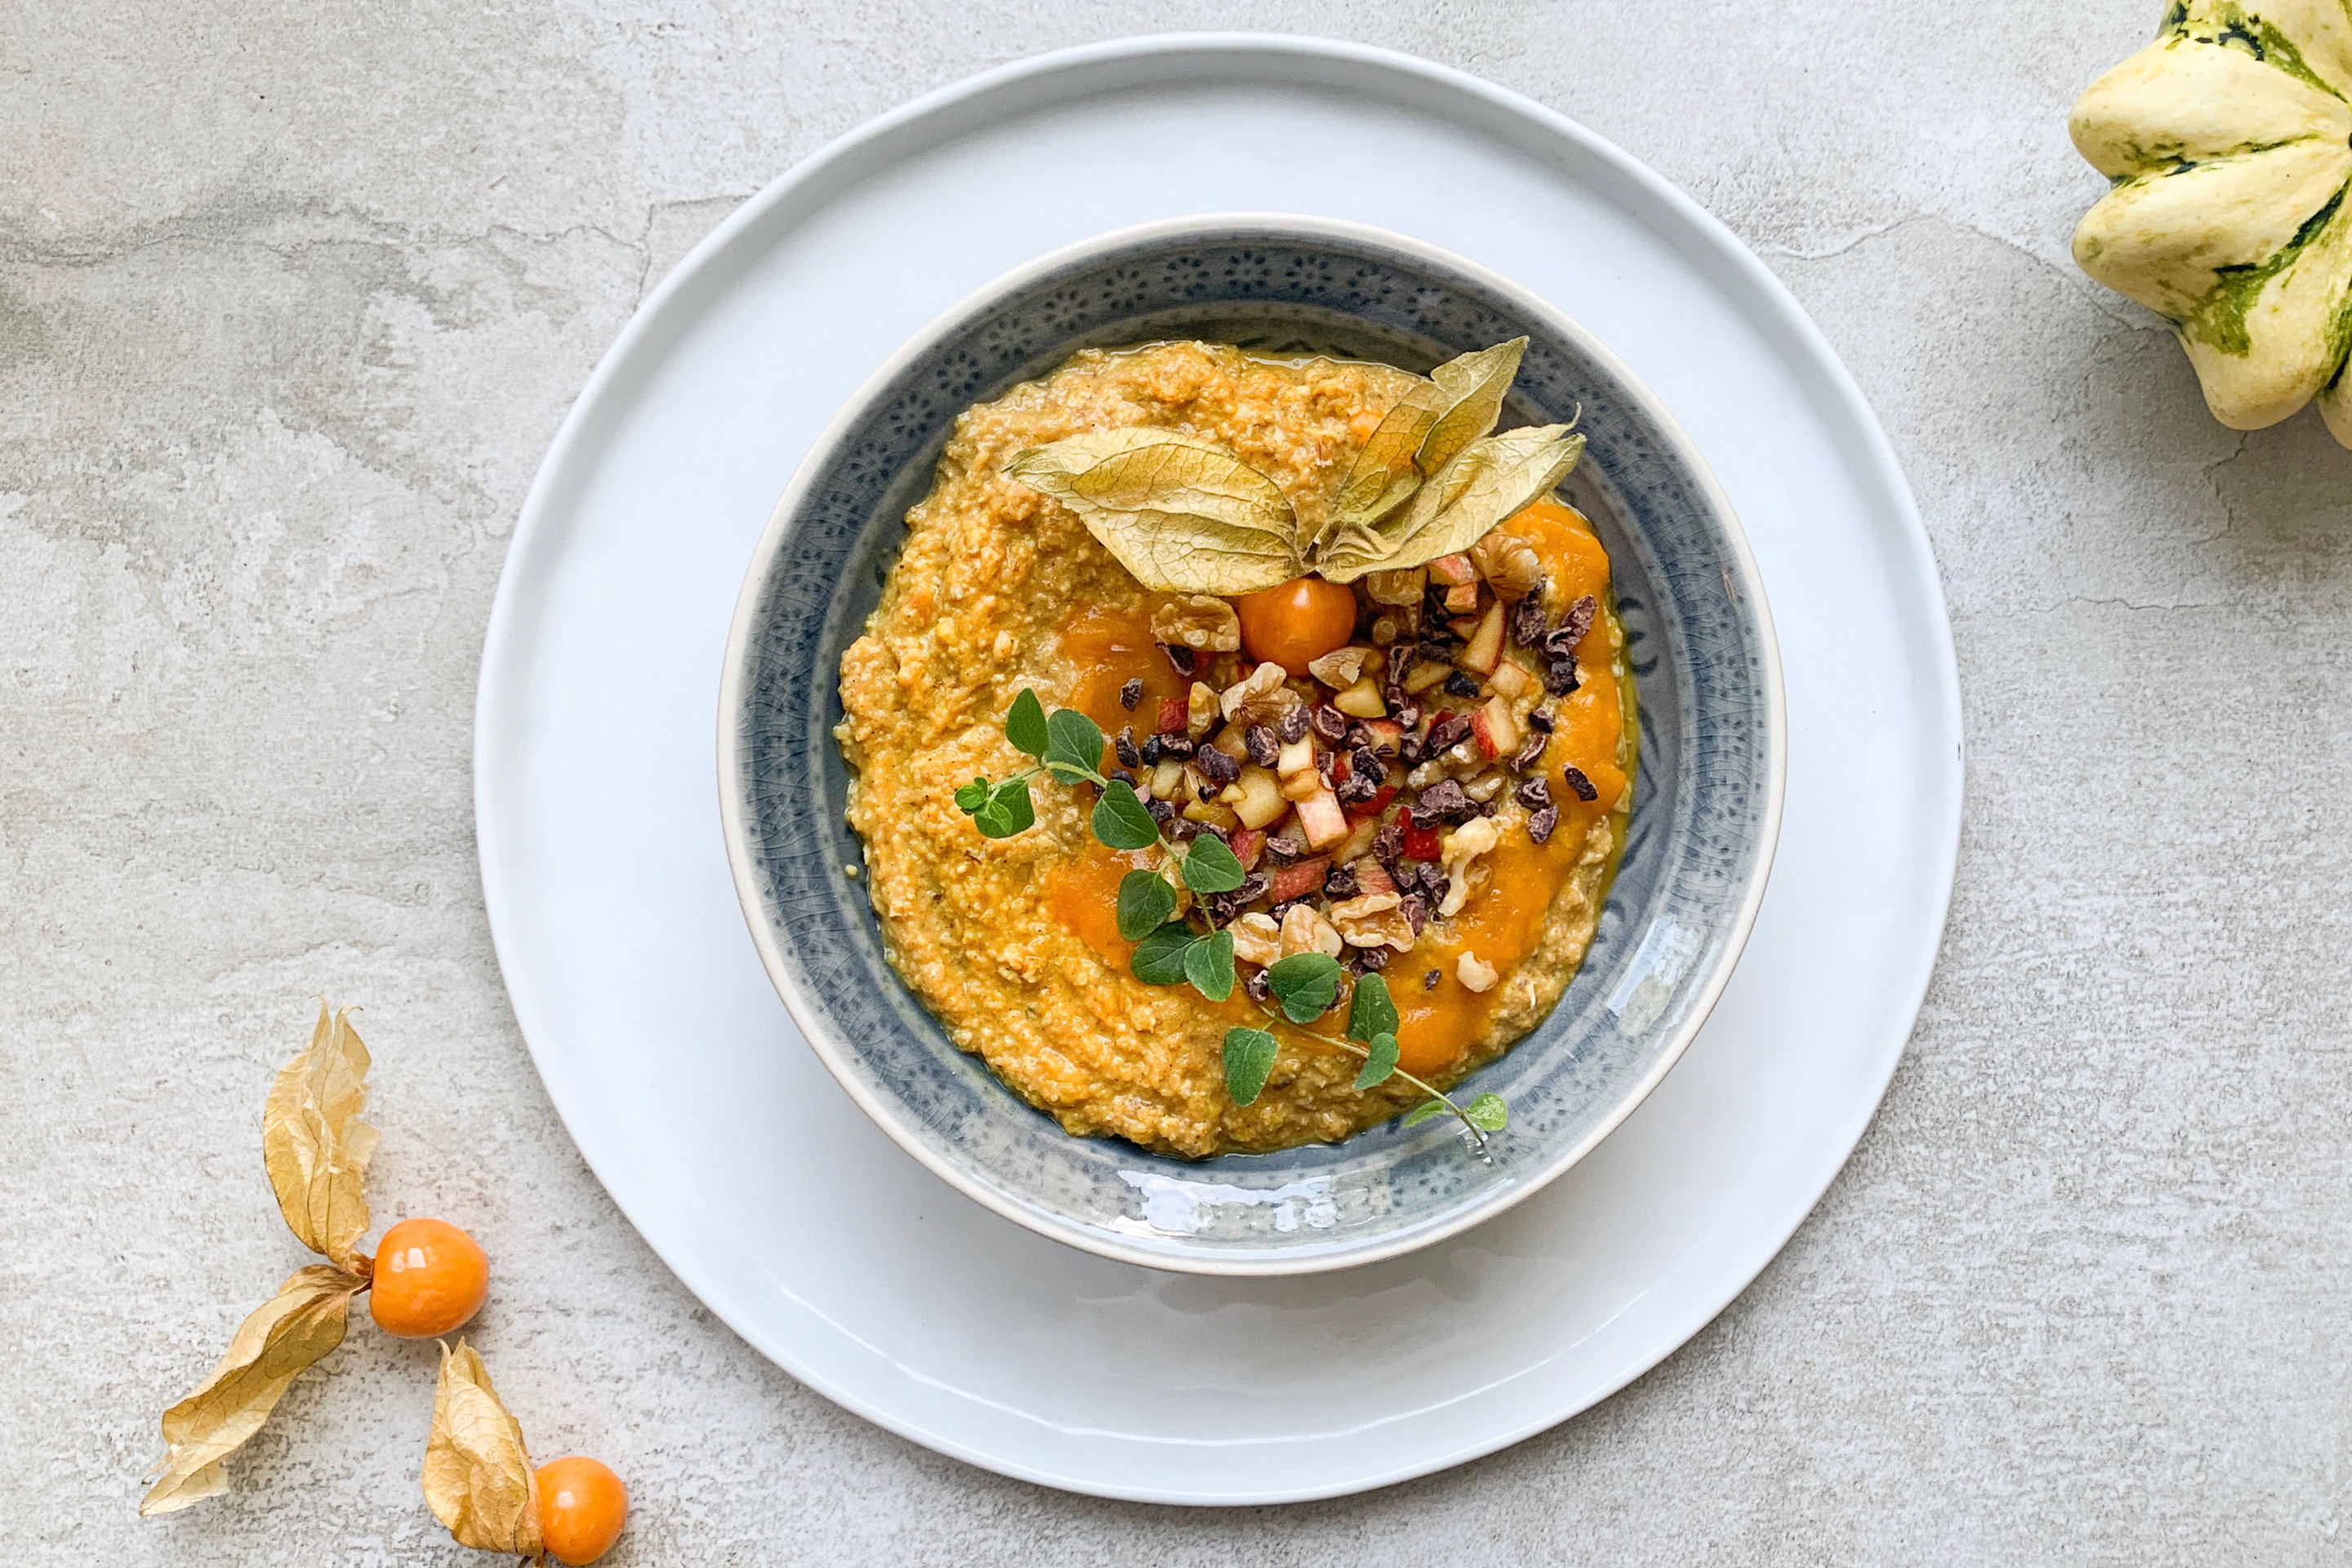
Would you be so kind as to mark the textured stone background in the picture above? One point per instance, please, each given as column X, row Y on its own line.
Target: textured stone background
column 292, row 296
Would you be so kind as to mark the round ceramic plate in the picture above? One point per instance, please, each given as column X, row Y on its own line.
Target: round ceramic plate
column 707, row 1116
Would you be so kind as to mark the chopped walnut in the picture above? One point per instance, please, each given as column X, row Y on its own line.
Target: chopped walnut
column 1339, row 669
column 1373, row 920
column 1198, row 621
column 1260, row 697
column 1304, row 931
column 1475, row 975
column 1509, row 564
column 1455, row 851
column 1256, row 939
column 1199, row 710
column 1399, row 587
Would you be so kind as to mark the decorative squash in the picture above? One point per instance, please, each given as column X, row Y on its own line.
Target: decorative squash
column 2229, row 141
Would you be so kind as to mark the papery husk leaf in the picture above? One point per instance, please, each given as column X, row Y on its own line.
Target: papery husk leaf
column 1384, row 476
column 1184, row 515
column 1492, row 479
column 291, row 1332
column 478, row 1475
column 1427, row 429
column 314, row 1145
column 1477, row 382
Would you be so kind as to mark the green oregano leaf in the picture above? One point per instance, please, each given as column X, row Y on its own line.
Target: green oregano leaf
column 1209, row 965
column 1372, row 1014
column 1145, row 902
column 1160, row 957
column 1249, row 1058
column 973, row 795
column 1121, row 821
column 1209, row 866
column 1304, row 985
column 1025, row 725
column 1073, row 746
column 1424, row 1111
column 1487, row 1113
column 1007, row 811
column 1382, row 1061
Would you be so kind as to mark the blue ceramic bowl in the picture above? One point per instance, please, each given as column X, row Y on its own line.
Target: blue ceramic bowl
column 1706, row 810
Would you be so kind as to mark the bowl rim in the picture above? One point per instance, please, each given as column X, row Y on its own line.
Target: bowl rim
column 832, row 1049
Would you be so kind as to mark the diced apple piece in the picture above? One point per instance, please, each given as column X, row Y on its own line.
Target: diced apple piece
column 1299, row 787
column 1387, row 735
column 1359, row 842
column 1285, row 883
column 1298, row 757
column 1509, row 679
column 1247, row 842
column 1321, row 819
column 1485, row 650
column 1454, row 570
column 1200, row 709
column 1257, row 799
column 1167, row 779
column 1496, row 733
column 1362, row 700
column 1229, row 742
column 1172, row 715
column 1422, row 677
column 1212, row 814
column 1462, row 598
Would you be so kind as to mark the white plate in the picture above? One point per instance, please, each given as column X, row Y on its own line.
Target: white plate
column 712, row 1125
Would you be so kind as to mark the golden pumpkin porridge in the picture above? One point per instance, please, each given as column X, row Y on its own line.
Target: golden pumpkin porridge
column 1242, row 745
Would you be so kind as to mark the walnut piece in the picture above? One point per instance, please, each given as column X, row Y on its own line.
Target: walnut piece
column 1199, row 622
column 1373, row 920
column 1475, row 975
column 1256, row 939
column 1304, row 931
column 1259, row 697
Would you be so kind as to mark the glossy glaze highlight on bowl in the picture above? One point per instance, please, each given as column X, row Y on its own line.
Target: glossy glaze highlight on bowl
column 1706, row 804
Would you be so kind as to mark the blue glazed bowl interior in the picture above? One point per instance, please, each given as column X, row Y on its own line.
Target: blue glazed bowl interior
column 1705, row 805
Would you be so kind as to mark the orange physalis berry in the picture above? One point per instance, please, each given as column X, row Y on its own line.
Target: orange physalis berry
column 429, row 1278
column 582, row 1506
column 1298, row 622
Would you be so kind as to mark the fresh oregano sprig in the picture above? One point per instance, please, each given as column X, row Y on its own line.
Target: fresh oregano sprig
column 1303, row 986
column 1068, row 746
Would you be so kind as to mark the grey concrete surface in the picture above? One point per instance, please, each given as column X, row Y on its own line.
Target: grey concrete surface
column 292, row 296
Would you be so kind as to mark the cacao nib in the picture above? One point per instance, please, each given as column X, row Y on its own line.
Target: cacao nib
column 1460, row 685
column 1373, row 958
column 1215, row 766
column 1131, row 693
column 1292, row 727
column 1330, row 725
column 1449, row 731
column 1429, row 981
column 1542, row 824
column 1161, row 812
column 1527, row 617
column 1123, row 746
column 1535, row 794
column 1406, row 714
column 1578, row 784
column 1577, row 621
column 1264, row 749
column 1154, row 747
column 1259, row 987
column 1182, row 829
column 1284, row 851
column 1339, row 883
column 1539, row 717
column 1175, row 746
column 1204, row 793
column 1182, row 658
column 1559, row 676
column 1409, row 752
column 1387, row 844
column 1356, row 789
column 1443, row 802
column 1365, row 763
column 1226, row 908
column 1531, row 753
column 1123, row 776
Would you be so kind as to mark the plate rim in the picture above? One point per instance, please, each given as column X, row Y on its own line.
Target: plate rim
column 1503, row 111
column 827, row 1041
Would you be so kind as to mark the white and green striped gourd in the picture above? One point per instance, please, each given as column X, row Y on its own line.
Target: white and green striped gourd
column 2229, row 141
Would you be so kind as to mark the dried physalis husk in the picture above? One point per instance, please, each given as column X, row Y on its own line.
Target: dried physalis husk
column 314, row 1145
column 1186, row 516
column 1425, row 430
column 478, row 1475
column 1490, row 479
column 300, row 1324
